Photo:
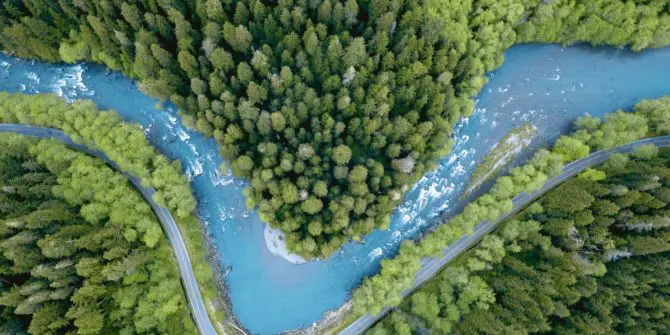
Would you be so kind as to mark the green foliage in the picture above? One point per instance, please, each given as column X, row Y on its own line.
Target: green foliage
column 385, row 79
column 500, row 155
column 639, row 24
column 332, row 85
column 341, row 155
column 599, row 247
column 570, row 148
column 79, row 251
column 102, row 130
column 645, row 152
column 397, row 274
column 71, row 53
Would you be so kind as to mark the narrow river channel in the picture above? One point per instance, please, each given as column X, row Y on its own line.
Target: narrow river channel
column 545, row 85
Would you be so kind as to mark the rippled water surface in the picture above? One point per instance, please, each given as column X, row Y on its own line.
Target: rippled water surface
column 547, row 86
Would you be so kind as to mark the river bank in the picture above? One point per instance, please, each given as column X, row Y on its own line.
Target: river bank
column 500, row 155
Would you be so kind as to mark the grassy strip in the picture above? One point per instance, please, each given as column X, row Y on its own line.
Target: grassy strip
column 500, row 155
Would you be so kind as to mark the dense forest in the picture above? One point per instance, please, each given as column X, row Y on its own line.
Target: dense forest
column 648, row 118
column 332, row 109
column 80, row 250
column 589, row 257
column 125, row 144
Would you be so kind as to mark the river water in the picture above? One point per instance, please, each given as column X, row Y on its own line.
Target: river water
column 545, row 85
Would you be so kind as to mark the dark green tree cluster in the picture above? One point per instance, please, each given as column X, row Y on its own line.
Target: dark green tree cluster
column 650, row 118
column 80, row 251
column 126, row 145
column 590, row 257
column 331, row 108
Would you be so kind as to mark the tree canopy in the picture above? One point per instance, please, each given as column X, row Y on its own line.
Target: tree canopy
column 589, row 257
column 302, row 92
column 81, row 251
column 397, row 274
column 126, row 145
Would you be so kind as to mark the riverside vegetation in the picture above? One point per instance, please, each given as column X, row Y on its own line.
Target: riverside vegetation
column 126, row 145
column 80, row 250
column 332, row 109
column 500, row 155
column 649, row 118
column 589, row 257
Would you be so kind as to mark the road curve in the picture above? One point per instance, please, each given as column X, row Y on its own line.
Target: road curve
column 197, row 305
column 430, row 266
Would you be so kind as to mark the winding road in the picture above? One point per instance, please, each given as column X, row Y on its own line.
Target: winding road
column 430, row 266
column 197, row 305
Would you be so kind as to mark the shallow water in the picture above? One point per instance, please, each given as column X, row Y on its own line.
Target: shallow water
column 545, row 85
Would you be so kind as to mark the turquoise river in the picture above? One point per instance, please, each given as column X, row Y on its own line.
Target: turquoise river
column 545, row 85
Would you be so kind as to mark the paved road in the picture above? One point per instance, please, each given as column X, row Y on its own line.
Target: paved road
column 198, row 310
column 430, row 266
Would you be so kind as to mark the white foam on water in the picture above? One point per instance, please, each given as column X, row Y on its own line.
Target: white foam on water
column 451, row 159
column 376, row 252
column 71, row 84
column 458, row 170
column 220, row 180
column 406, row 218
column 193, row 149
column 426, row 194
column 183, row 135
column 169, row 125
column 32, row 76
column 197, row 167
column 465, row 139
column 479, row 110
column 396, row 236
column 443, row 207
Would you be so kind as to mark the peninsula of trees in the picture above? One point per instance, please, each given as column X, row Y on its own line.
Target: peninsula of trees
column 332, row 109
